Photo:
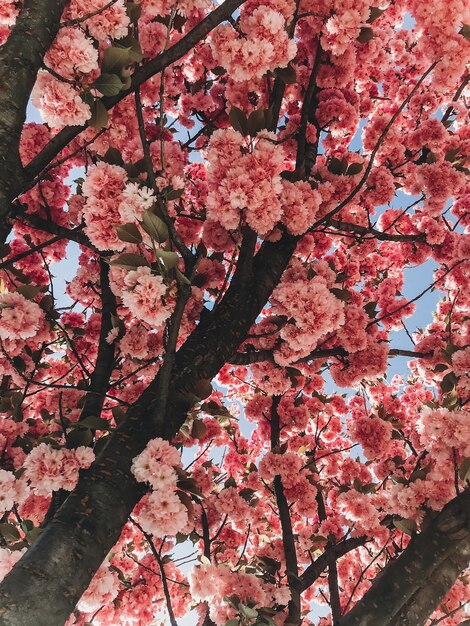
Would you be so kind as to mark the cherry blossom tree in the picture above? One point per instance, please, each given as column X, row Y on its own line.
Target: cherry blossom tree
column 201, row 422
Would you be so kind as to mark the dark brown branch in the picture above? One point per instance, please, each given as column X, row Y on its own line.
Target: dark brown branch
column 372, row 233
column 301, row 158
column 428, row 597
column 335, row 602
column 257, row 356
column 420, row 295
column 75, row 542
column 161, row 567
column 174, row 236
column 457, row 95
column 314, row 570
column 288, row 540
column 21, row 56
column 101, row 375
column 446, row 536
column 84, row 18
column 72, row 234
column 32, row 250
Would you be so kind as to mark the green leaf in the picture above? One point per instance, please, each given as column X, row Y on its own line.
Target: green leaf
column 448, row 382
column 342, row 294
column 354, row 169
column 238, row 120
column 451, row 154
column 133, row 11
column 189, row 485
column 247, row 612
column 79, row 437
column 464, row 470
column 202, row 388
column 118, row 413
column 198, row 430
column 130, row 261
column 181, row 278
column 132, row 46
column 465, row 31
column 129, row 233
column 109, row 84
column 365, row 35
column 115, row 58
column 219, row 70
column 167, row 258
column 371, row 309
column 407, row 526
column 335, row 166
column 33, row 534
column 27, row 525
column 29, row 291
column 256, row 121
column 233, row 622
column 154, row 226
column 19, row 363
column 99, row 115
column 9, row 532
column 174, row 194
column 287, row 74
column 113, row 156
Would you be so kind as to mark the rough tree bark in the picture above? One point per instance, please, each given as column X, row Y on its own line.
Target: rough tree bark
column 20, row 59
column 411, row 587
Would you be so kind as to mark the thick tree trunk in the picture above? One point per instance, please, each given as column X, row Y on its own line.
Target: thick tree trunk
column 429, row 565
column 433, row 590
column 45, row 585
column 20, row 59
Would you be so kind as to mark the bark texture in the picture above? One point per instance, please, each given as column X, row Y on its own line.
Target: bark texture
column 410, row 588
column 21, row 57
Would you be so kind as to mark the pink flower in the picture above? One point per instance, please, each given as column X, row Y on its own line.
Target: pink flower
column 7, row 490
column 143, row 296
column 104, row 587
column 155, row 464
column 20, row 318
column 162, row 513
column 72, row 52
column 60, row 104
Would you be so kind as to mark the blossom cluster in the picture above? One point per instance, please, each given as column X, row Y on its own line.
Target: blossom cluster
column 162, row 512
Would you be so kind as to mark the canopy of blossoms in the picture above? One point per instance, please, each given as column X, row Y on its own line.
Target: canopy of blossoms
column 240, row 192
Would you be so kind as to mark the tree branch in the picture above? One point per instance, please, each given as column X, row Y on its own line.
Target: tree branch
column 314, row 570
column 446, row 536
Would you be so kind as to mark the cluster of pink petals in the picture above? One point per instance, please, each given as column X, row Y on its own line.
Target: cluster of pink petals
column 49, row 469
column 20, row 318
column 60, row 103
column 314, row 312
column 244, row 186
column 144, row 294
column 155, row 465
column 72, row 53
column 162, row 513
column 264, row 46
column 104, row 587
column 214, row 582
